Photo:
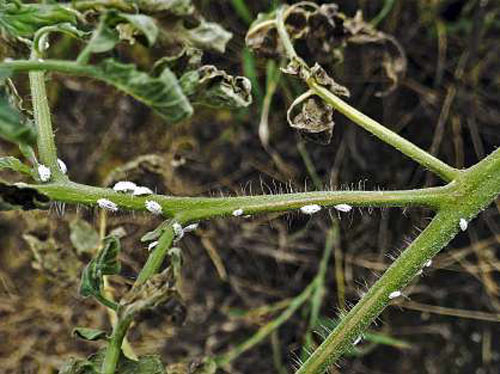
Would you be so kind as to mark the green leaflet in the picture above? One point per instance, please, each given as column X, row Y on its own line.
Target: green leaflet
column 162, row 93
column 89, row 334
column 144, row 24
column 105, row 263
column 23, row 20
column 13, row 163
column 12, row 126
column 92, row 365
column 215, row 88
column 175, row 7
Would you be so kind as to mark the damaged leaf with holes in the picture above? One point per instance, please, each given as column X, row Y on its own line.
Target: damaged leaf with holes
column 20, row 197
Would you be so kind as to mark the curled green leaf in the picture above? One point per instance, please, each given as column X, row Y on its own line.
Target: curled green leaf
column 13, row 163
column 13, row 127
column 89, row 334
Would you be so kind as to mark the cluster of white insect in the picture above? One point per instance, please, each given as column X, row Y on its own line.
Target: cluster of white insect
column 310, row 209
column 463, row 224
column 107, row 205
column 345, row 208
column 428, row 263
column 358, row 339
column 191, row 227
column 131, row 187
column 237, row 212
column 62, row 166
column 152, row 245
column 394, row 294
column 43, row 173
column 153, row 207
column 178, row 231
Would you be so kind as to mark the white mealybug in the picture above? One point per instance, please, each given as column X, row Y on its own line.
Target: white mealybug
column 463, row 224
column 428, row 263
column 343, row 208
column 178, row 231
column 107, row 204
column 153, row 207
column 62, row 166
column 43, row 173
column 356, row 342
column 141, row 191
column 394, row 294
column 152, row 245
column 124, row 186
column 237, row 212
column 310, row 209
column 191, row 227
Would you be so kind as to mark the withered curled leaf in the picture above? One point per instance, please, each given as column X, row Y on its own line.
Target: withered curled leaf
column 215, row 88
column 315, row 120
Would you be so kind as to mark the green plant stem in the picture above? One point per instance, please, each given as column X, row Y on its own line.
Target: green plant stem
column 406, row 147
column 188, row 209
column 45, row 136
column 475, row 190
column 151, row 267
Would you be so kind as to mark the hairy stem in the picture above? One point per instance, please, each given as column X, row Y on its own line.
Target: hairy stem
column 476, row 189
column 187, row 209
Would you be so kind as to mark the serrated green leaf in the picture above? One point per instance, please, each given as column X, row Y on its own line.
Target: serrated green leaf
column 83, row 236
column 90, row 334
column 13, row 127
column 215, row 88
column 13, row 163
column 23, row 20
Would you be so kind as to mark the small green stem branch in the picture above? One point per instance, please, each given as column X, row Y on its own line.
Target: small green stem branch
column 151, row 267
column 188, row 209
column 476, row 189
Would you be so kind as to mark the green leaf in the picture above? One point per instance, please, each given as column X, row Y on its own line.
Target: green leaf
column 144, row 24
column 23, row 20
column 83, row 236
column 215, row 88
column 105, row 263
column 163, row 93
column 93, row 364
column 13, row 163
column 86, row 333
column 208, row 35
column 104, row 38
column 175, row 7
column 12, row 125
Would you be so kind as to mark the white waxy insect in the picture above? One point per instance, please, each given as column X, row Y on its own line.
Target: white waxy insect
column 356, row 342
column 463, row 224
column 141, row 191
column 343, row 208
column 420, row 272
column 152, row 245
column 428, row 263
column 62, row 166
column 191, row 227
column 394, row 294
column 153, row 207
column 178, row 230
column 107, row 204
column 310, row 209
column 43, row 173
column 124, row 186
column 237, row 212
